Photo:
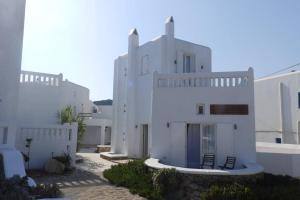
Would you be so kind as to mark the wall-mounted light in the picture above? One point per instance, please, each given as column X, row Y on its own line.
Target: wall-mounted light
column 136, row 126
column 168, row 124
column 175, row 62
column 234, row 126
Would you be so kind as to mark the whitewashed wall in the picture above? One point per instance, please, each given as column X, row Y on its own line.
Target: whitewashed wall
column 96, row 129
column 11, row 41
column 43, row 95
column 282, row 159
column 47, row 140
column 276, row 108
column 175, row 99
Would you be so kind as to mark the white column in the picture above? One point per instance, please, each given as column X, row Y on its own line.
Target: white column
column 133, row 44
column 170, row 47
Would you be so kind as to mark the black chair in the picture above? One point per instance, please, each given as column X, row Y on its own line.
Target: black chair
column 229, row 164
column 208, row 161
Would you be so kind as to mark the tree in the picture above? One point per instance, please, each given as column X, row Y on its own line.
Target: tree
column 67, row 115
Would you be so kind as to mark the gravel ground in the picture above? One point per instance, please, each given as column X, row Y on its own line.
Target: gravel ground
column 87, row 181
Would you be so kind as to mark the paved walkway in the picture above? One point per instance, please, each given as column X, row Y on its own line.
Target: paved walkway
column 87, row 182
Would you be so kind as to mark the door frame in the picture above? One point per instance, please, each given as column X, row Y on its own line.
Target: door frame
column 186, row 142
column 201, row 141
column 142, row 148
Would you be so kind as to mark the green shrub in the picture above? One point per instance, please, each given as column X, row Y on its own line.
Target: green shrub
column 17, row 188
column 277, row 187
column 45, row 191
column 166, row 181
column 134, row 175
column 228, row 192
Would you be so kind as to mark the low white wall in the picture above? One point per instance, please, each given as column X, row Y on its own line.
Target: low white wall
column 250, row 169
column 47, row 141
column 281, row 159
column 268, row 136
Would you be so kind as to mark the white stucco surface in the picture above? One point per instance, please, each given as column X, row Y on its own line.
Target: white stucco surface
column 43, row 95
column 47, row 141
column 283, row 159
column 11, row 41
column 250, row 169
column 276, row 108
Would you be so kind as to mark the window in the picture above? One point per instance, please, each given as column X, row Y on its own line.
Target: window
column 188, row 64
column 229, row 109
column 200, row 109
column 145, row 65
column 208, row 139
column 278, row 140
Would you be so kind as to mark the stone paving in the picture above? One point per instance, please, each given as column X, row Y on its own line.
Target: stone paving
column 87, row 181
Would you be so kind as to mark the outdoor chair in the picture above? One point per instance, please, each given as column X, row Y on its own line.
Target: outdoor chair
column 229, row 164
column 208, row 161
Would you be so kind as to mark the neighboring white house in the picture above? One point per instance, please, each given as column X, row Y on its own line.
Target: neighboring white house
column 277, row 108
column 42, row 96
column 169, row 105
column 99, row 122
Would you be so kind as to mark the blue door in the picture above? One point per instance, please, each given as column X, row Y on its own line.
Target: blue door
column 193, row 145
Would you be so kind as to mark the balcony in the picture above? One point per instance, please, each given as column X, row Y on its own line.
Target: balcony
column 200, row 80
column 27, row 77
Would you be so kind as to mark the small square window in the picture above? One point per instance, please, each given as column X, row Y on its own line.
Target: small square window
column 200, row 109
column 278, row 140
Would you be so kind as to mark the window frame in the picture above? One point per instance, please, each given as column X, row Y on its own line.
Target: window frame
column 197, row 108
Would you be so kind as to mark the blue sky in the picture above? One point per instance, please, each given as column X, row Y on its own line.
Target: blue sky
column 81, row 38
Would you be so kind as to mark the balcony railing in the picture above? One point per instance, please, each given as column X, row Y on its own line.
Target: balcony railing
column 212, row 80
column 41, row 78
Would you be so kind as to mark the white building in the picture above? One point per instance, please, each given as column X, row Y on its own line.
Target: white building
column 99, row 122
column 277, row 108
column 170, row 105
column 42, row 96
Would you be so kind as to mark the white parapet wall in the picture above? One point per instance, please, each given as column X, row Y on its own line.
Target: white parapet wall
column 47, row 141
column 283, row 159
column 249, row 169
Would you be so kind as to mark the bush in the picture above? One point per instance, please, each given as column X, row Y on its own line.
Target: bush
column 14, row 188
column 271, row 187
column 134, row 175
column 228, row 192
column 17, row 188
column 166, row 181
column 45, row 191
column 277, row 187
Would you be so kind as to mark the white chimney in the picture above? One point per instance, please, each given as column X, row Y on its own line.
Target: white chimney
column 170, row 26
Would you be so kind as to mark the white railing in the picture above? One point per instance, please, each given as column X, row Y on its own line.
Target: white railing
column 41, row 78
column 212, row 79
column 47, row 141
